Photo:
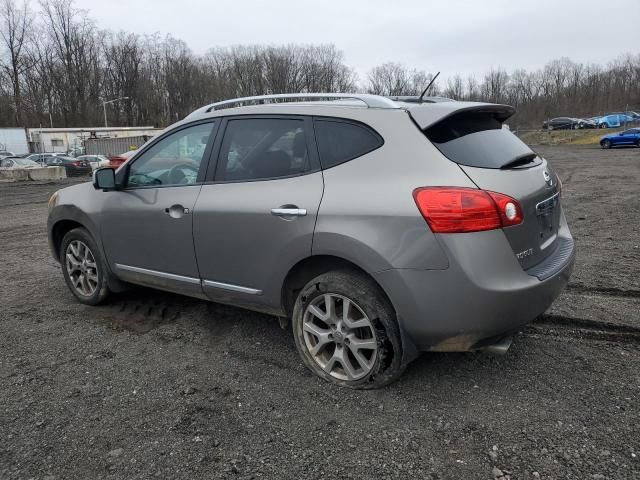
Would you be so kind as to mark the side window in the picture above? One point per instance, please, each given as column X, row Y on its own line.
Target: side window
column 339, row 142
column 257, row 148
column 174, row 160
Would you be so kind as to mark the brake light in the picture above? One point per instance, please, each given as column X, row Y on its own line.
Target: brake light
column 458, row 210
column 76, row 163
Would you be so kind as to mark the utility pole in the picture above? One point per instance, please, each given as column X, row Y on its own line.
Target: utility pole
column 104, row 107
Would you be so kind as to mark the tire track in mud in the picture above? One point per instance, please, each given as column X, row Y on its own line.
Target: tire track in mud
column 607, row 291
column 579, row 328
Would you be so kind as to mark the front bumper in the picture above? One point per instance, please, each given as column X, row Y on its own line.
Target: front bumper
column 483, row 295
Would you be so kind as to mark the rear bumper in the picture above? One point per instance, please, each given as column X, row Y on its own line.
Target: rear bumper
column 483, row 294
column 79, row 171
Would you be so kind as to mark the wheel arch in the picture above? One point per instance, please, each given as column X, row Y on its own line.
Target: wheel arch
column 310, row 267
column 62, row 223
column 58, row 231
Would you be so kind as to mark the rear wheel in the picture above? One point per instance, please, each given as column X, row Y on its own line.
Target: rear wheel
column 83, row 267
column 576, row 126
column 606, row 144
column 346, row 331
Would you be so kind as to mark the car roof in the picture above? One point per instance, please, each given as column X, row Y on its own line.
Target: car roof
column 425, row 113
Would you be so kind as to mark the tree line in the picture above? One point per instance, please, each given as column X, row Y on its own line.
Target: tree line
column 57, row 68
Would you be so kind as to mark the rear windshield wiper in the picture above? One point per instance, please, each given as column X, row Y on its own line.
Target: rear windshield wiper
column 521, row 161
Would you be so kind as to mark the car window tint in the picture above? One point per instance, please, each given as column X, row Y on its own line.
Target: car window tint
column 174, row 160
column 339, row 142
column 258, row 148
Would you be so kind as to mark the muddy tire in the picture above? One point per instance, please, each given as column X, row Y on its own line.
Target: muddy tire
column 346, row 331
column 605, row 144
column 84, row 267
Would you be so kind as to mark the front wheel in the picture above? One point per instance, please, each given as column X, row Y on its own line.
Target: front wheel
column 346, row 331
column 83, row 267
column 605, row 144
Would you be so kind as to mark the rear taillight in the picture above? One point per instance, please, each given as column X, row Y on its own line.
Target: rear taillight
column 76, row 164
column 458, row 210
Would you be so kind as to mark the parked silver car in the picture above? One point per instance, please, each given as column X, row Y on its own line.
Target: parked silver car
column 96, row 161
column 382, row 228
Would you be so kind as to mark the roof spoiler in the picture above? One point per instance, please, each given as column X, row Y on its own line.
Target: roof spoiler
column 428, row 115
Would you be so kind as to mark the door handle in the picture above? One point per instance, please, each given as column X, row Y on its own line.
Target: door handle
column 289, row 212
column 176, row 211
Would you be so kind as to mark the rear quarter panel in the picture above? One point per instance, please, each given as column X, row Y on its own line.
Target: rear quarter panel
column 368, row 214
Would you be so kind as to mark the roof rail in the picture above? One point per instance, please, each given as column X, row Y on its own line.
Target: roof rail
column 416, row 99
column 370, row 101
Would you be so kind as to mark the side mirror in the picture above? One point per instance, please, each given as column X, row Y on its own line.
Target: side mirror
column 104, row 179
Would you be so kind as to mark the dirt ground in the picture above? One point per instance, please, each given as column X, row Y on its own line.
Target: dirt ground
column 157, row 385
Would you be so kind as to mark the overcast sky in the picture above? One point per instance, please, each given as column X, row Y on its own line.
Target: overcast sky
column 454, row 36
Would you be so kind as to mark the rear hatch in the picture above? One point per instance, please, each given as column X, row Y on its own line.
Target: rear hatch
column 496, row 160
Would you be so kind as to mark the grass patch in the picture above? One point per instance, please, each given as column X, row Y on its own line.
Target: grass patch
column 566, row 137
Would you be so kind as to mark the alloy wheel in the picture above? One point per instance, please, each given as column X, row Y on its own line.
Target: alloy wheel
column 339, row 337
column 82, row 268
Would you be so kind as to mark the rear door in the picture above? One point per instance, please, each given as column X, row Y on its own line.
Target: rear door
column 496, row 160
column 255, row 216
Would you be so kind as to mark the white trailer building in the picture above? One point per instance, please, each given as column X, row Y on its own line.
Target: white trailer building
column 14, row 140
column 71, row 139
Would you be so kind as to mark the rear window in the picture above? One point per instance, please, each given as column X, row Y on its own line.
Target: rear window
column 477, row 139
column 340, row 141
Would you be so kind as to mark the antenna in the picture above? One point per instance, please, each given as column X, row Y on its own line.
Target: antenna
column 424, row 92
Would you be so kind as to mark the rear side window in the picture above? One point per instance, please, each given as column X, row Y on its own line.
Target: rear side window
column 254, row 149
column 340, row 141
column 477, row 139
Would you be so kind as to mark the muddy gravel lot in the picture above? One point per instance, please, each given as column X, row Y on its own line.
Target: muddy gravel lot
column 157, row 385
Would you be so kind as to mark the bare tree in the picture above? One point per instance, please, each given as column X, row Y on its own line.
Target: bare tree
column 393, row 79
column 15, row 27
column 64, row 73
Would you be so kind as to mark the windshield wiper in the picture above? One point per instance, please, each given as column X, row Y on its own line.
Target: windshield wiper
column 520, row 161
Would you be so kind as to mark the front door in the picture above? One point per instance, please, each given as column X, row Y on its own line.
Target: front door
column 146, row 227
column 257, row 218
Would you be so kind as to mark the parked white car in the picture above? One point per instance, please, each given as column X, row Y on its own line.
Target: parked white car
column 96, row 161
column 17, row 162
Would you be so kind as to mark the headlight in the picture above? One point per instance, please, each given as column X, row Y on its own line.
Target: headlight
column 53, row 200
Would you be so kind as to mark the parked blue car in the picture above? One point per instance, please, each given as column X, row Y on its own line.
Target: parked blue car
column 628, row 137
column 613, row 120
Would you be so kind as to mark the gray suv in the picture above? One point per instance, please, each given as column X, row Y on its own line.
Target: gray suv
column 382, row 227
